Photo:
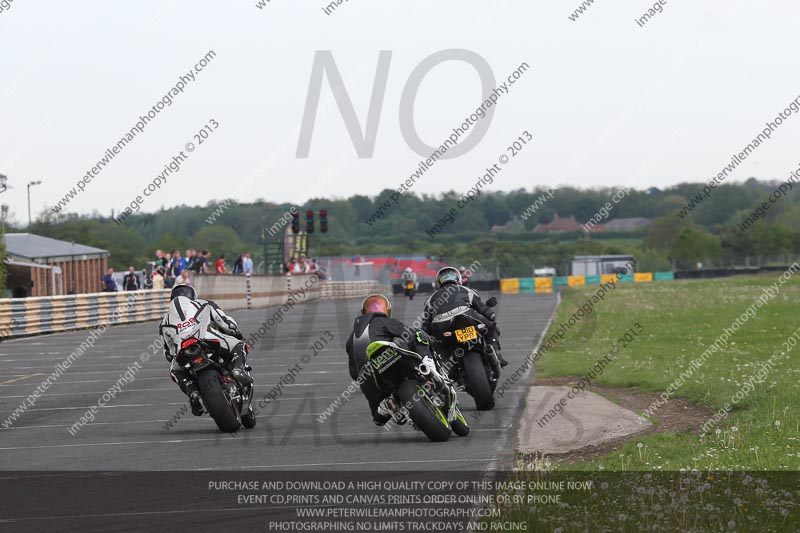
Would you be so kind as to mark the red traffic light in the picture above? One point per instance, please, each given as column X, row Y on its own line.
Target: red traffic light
column 323, row 212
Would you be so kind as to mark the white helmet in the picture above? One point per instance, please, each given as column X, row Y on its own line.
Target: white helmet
column 408, row 269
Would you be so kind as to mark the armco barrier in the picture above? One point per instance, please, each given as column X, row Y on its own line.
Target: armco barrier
column 526, row 285
column 32, row 316
column 549, row 284
column 509, row 286
column 48, row 314
column 352, row 289
column 255, row 292
column 543, row 284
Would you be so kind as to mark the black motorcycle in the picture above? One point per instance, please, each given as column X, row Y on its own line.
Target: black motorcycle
column 472, row 360
column 419, row 390
column 225, row 399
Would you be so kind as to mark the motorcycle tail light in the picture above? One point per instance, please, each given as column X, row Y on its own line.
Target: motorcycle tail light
column 198, row 359
column 188, row 342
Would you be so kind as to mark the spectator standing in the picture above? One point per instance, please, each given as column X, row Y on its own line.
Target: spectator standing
column 178, row 264
column 298, row 267
column 238, row 265
column 191, row 259
column 247, row 263
column 201, row 263
column 131, row 280
column 312, row 267
column 161, row 261
column 158, row 280
column 169, row 277
column 184, row 279
column 220, row 266
column 109, row 283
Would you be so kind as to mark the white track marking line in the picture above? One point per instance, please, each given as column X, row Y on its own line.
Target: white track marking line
column 225, row 437
column 363, row 463
column 505, row 430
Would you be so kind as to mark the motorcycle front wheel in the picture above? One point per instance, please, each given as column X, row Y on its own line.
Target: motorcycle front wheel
column 426, row 416
column 459, row 425
column 224, row 413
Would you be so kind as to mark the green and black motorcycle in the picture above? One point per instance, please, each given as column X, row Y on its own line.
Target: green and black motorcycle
column 420, row 390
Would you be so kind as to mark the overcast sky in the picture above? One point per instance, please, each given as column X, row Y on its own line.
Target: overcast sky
column 608, row 102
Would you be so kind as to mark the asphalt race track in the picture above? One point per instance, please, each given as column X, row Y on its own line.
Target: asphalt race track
column 129, row 432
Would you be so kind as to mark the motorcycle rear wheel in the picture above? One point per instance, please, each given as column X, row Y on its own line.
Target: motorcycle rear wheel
column 221, row 410
column 426, row 416
column 478, row 382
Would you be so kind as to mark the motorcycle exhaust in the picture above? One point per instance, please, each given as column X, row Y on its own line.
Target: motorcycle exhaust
column 424, row 369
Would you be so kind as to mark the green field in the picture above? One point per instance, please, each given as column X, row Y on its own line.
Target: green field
column 680, row 320
column 740, row 476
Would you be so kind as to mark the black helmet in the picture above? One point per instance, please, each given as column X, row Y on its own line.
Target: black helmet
column 183, row 290
column 448, row 275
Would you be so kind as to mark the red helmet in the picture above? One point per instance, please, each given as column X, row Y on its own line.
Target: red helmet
column 376, row 303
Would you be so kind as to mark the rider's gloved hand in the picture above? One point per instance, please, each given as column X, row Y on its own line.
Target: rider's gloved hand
column 167, row 355
column 239, row 335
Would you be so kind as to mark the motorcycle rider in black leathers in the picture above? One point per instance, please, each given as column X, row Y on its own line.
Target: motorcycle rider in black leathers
column 452, row 299
column 185, row 310
column 375, row 324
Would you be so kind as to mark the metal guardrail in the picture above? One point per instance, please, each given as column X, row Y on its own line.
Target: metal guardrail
column 351, row 289
column 50, row 314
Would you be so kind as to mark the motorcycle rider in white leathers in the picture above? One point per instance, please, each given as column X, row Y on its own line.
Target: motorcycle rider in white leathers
column 186, row 313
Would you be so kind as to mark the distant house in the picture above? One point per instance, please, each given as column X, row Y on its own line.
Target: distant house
column 41, row 266
column 561, row 224
column 627, row 224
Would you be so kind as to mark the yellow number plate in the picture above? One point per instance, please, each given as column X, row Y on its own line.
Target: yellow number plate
column 466, row 334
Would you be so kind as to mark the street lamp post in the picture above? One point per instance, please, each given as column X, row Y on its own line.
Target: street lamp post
column 30, row 184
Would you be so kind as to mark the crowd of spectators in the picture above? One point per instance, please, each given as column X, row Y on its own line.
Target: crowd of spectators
column 170, row 269
column 305, row 266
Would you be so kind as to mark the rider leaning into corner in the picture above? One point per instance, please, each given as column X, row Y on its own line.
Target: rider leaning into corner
column 376, row 324
column 186, row 309
column 452, row 299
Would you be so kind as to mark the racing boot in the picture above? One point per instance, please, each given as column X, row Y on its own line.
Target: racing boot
column 239, row 367
column 495, row 344
column 397, row 415
column 189, row 388
column 383, row 414
column 196, row 404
